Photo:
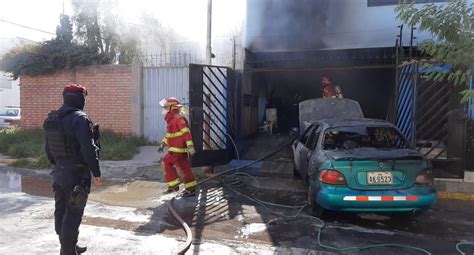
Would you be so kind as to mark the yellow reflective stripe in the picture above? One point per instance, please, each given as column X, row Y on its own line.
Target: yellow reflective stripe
column 165, row 140
column 178, row 150
column 178, row 134
column 190, row 184
column 189, row 143
column 173, row 183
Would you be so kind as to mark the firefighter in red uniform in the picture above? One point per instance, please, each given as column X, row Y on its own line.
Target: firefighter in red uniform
column 328, row 91
column 179, row 142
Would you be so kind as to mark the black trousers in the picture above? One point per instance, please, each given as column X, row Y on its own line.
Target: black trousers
column 67, row 219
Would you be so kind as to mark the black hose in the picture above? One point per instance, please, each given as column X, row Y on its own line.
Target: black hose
column 280, row 148
column 189, row 235
column 185, row 226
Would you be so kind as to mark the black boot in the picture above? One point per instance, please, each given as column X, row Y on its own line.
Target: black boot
column 80, row 249
column 171, row 190
column 68, row 251
column 189, row 193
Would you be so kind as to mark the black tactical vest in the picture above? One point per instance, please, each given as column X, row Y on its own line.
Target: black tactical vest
column 56, row 136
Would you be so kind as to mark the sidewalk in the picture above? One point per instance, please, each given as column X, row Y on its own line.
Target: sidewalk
column 460, row 189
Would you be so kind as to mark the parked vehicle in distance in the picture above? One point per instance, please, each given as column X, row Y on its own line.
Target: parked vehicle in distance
column 10, row 116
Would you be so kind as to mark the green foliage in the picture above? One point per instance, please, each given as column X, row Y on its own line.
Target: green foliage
column 119, row 147
column 97, row 40
column 40, row 163
column 50, row 56
column 21, row 143
column 27, row 145
column 452, row 26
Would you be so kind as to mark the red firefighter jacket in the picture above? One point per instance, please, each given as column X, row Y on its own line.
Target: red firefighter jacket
column 328, row 92
column 178, row 136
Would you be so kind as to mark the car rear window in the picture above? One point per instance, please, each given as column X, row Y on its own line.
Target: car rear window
column 10, row 112
column 353, row 137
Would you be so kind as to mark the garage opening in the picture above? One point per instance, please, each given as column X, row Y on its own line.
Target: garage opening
column 280, row 81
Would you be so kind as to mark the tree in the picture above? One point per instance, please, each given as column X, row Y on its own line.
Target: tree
column 155, row 36
column 100, row 27
column 129, row 48
column 94, row 31
column 49, row 56
column 452, row 26
column 64, row 30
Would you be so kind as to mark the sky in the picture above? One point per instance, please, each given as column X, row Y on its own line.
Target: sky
column 187, row 17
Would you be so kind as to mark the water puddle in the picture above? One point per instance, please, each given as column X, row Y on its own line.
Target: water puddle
column 138, row 194
column 10, row 182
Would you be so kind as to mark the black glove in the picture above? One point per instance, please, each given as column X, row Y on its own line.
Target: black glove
column 161, row 148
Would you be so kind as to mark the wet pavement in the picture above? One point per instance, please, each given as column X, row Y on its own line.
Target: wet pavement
column 223, row 215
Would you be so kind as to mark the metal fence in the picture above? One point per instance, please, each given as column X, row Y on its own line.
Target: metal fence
column 405, row 100
column 183, row 59
column 159, row 83
column 212, row 111
column 423, row 110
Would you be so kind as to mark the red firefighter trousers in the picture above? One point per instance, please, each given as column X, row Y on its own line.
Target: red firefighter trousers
column 176, row 165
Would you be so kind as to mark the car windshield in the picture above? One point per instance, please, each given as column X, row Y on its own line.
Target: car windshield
column 9, row 112
column 348, row 138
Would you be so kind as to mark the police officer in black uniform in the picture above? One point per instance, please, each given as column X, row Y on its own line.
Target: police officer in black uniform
column 71, row 148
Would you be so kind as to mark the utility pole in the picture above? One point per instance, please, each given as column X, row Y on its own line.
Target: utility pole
column 209, row 29
column 411, row 41
column 400, row 37
column 234, row 52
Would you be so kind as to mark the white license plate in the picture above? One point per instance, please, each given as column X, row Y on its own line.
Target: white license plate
column 379, row 178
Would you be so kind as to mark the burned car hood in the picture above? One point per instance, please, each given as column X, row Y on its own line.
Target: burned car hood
column 373, row 154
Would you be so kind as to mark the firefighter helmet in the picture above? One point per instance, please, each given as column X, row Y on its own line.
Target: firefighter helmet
column 171, row 103
column 326, row 80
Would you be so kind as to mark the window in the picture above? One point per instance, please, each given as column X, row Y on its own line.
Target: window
column 372, row 3
column 313, row 138
column 306, row 134
column 354, row 137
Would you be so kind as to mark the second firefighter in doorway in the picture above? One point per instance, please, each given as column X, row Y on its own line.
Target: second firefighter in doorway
column 178, row 139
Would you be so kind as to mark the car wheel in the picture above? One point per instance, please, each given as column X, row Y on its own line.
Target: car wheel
column 316, row 209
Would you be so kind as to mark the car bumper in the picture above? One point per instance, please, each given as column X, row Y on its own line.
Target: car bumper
column 345, row 199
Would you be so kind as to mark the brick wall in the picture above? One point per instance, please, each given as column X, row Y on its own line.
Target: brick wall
column 108, row 103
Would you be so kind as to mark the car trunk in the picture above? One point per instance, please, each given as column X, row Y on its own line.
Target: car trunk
column 372, row 169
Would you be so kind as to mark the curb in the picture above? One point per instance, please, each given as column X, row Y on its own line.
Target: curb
column 455, row 196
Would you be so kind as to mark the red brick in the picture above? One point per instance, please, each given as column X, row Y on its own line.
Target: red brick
column 108, row 103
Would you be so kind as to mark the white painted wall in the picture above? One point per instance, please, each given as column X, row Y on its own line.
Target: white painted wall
column 9, row 95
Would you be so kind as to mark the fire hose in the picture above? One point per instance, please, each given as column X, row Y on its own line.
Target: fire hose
column 232, row 183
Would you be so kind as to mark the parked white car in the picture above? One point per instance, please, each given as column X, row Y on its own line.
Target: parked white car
column 10, row 117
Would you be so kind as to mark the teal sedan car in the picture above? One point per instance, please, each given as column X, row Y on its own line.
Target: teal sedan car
column 362, row 165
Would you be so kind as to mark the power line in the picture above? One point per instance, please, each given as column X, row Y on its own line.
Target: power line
column 27, row 27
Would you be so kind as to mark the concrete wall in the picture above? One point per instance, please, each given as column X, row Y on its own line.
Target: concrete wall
column 137, row 100
column 113, row 99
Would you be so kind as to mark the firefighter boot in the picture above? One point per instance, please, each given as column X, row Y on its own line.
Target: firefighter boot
column 170, row 190
column 189, row 193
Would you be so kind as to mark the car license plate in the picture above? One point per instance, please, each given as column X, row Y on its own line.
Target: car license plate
column 379, row 178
